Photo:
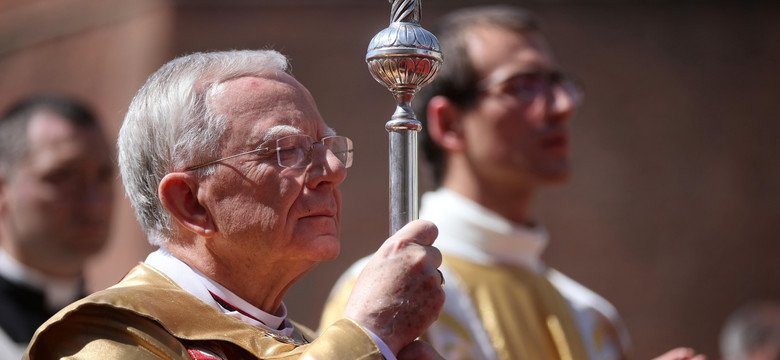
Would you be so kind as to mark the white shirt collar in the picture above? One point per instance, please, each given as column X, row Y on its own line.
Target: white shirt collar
column 202, row 287
column 58, row 292
column 471, row 231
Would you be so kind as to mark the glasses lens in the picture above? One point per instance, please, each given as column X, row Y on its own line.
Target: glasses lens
column 572, row 88
column 291, row 150
column 341, row 147
column 294, row 151
column 528, row 87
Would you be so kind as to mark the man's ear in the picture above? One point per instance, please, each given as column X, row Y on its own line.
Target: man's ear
column 178, row 193
column 445, row 125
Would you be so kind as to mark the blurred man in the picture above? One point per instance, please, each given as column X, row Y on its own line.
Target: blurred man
column 56, row 176
column 752, row 332
column 495, row 129
column 235, row 175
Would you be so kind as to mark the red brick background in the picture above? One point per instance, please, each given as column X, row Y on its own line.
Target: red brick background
column 674, row 207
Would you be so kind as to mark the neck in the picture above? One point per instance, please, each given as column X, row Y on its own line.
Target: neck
column 59, row 268
column 514, row 204
column 262, row 283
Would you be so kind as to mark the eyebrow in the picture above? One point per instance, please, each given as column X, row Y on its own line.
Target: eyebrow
column 501, row 77
column 275, row 131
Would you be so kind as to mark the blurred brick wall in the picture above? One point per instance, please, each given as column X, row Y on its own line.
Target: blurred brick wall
column 672, row 211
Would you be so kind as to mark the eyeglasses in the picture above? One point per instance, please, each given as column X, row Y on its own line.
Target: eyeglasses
column 529, row 87
column 294, row 151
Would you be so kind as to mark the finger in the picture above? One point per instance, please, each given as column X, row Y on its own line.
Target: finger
column 421, row 232
column 418, row 350
column 677, row 354
column 434, row 255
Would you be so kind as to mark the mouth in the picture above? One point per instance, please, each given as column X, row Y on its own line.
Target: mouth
column 558, row 141
column 321, row 213
column 325, row 221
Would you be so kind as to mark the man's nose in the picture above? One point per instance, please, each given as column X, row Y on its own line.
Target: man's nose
column 561, row 100
column 325, row 167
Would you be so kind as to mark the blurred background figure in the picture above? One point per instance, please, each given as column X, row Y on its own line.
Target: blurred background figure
column 752, row 332
column 56, row 198
column 496, row 132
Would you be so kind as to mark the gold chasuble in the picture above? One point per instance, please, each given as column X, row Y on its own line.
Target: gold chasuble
column 502, row 301
column 542, row 325
column 148, row 316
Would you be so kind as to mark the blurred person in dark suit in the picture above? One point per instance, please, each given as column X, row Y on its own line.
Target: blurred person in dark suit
column 56, row 198
column 752, row 332
column 496, row 132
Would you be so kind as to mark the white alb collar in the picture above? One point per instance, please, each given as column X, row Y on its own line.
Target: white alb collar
column 471, row 231
column 202, row 287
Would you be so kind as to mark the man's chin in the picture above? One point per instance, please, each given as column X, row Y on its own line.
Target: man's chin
column 86, row 247
column 559, row 179
column 328, row 247
column 559, row 173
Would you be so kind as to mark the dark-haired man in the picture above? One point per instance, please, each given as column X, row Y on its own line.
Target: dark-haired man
column 495, row 130
column 56, row 198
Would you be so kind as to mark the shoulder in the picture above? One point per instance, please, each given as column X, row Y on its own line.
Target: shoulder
column 593, row 312
column 580, row 296
column 119, row 320
column 102, row 330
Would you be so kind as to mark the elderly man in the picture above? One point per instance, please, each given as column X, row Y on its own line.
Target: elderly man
column 234, row 174
column 495, row 125
column 56, row 197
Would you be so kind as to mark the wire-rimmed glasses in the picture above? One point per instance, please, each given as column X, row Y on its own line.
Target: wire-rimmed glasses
column 294, row 151
column 530, row 86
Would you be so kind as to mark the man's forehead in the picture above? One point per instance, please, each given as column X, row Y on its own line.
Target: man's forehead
column 47, row 126
column 54, row 140
column 261, row 108
column 49, row 129
column 253, row 92
column 499, row 52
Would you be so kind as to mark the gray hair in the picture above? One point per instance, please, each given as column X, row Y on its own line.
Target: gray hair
column 171, row 123
column 14, row 123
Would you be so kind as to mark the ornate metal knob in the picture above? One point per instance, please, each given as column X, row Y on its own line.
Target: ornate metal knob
column 404, row 57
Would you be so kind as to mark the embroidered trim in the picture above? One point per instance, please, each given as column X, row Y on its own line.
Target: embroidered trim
column 197, row 354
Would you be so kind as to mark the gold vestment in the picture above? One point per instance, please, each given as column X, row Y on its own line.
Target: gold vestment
column 541, row 326
column 148, row 316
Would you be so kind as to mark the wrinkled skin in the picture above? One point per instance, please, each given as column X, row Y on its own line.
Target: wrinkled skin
column 398, row 294
column 419, row 350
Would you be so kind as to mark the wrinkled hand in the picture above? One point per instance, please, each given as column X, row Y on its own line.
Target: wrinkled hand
column 398, row 294
column 419, row 350
column 681, row 353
